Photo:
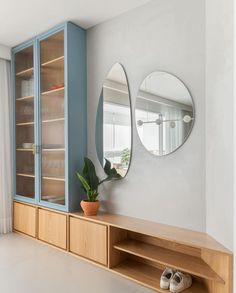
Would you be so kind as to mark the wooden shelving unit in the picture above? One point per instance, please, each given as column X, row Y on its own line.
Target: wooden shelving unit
column 120, row 245
column 140, row 250
column 49, row 92
column 169, row 258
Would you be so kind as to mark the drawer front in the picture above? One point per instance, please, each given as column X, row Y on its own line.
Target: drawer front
column 53, row 228
column 89, row 240
column 24, row 219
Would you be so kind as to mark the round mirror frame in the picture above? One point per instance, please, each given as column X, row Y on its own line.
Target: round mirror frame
column 193, row 118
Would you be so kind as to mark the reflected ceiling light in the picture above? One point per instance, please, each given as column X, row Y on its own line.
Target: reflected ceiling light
column 159, row 121
column 140, row 122
column 187, row 119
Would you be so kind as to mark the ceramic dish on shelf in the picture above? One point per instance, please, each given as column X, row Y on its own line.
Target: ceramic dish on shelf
column 56, row 86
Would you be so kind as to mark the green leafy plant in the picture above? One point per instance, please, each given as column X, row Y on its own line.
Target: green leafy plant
column 125, row 157
column 90, row 181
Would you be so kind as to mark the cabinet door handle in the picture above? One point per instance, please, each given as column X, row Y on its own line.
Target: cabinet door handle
column 36, row 149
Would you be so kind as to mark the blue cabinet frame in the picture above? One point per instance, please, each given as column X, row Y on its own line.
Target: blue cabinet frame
column 75, row 76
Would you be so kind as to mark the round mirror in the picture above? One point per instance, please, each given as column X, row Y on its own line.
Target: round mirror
column 113, row 126
column 164, row 113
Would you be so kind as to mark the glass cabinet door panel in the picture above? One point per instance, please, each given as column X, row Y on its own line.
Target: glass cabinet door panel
column 24, row 118
column 52, row 119
column 53, row 191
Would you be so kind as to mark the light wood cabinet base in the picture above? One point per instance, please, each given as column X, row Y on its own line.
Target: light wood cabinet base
column 135, row 249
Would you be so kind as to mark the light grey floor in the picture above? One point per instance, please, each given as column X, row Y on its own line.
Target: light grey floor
column 28, row 266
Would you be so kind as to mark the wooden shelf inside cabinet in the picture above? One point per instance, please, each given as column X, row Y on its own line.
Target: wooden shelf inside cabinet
column 25, row 98
column 149, row 276
column 53, row 120
column 53, row 178
column 190, row 264
column 53, row 62
column 25, row 175
column 25, row 123
column 44, row 177
column 54, row 93
column 24, row 150
column 25, row 73
column 53, row 150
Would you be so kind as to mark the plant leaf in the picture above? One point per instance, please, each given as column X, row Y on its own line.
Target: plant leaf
column 110, row 172
column 89, row 173
column 84, row 182
column 107, row 167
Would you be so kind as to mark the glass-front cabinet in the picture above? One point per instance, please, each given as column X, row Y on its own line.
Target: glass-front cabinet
column 50, row 117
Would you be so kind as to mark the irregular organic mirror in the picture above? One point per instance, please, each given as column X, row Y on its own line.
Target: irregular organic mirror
column 113, row 127
column 164, row 113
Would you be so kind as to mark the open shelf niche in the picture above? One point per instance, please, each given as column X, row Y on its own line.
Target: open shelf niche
column 143, row 258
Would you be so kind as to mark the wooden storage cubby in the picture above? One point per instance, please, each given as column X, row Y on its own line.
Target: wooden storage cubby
column 143, row 258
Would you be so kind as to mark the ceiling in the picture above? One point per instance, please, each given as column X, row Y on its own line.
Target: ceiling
column 21, row 20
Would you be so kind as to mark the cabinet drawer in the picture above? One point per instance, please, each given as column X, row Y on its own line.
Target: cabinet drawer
column 52, row 228
column 24, row 219
column 89, row 240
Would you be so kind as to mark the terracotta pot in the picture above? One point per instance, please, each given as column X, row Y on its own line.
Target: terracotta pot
column 90, row 208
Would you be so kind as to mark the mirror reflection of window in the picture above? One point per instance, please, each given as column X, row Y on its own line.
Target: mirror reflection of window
column 116, row 120
column 116, row 135
column 164, row 113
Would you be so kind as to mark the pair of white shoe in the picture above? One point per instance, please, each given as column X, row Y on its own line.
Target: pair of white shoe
column 175, row 281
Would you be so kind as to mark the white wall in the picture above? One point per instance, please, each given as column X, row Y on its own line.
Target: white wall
column 220, row 119
column 5, row 52
column 162, row 35
column 220, row 122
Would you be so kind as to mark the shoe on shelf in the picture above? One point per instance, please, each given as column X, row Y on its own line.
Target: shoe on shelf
column 180, row 282
column 166, row 277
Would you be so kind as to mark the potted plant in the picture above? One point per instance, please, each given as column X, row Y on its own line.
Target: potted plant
column 90, row 183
